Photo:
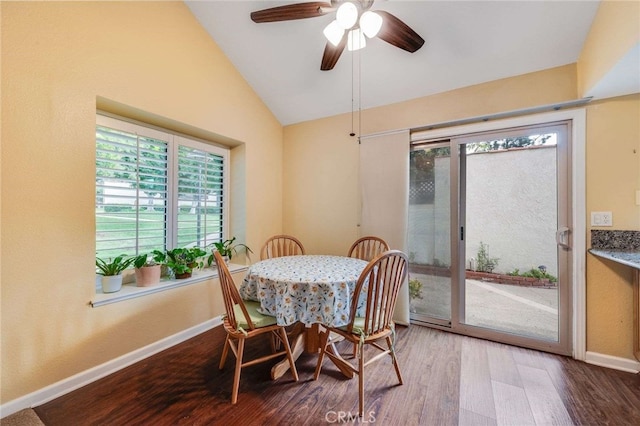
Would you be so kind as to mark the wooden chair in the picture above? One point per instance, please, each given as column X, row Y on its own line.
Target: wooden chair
column 281, row 245
column 381, row 280
column 243, row 322
column 366, row 248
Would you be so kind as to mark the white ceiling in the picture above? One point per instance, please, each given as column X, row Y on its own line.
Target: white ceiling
column 467, row 42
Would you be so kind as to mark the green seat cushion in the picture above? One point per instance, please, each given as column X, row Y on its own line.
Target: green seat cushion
column 258, row 319
column 358, row 326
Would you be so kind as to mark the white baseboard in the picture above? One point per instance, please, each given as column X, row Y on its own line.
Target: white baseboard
column 617, row 363
column 76, row 381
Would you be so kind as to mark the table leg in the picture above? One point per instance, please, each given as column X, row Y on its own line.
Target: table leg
column 342, row 365
column 308, row 340
column 297, row 347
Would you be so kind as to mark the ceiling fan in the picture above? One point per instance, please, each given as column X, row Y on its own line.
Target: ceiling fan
column 354, row 20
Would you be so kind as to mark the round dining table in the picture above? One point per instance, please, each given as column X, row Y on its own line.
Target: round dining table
column 309, row 289
column 312, row 290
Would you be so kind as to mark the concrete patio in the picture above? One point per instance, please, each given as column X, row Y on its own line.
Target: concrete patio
column 526, row 311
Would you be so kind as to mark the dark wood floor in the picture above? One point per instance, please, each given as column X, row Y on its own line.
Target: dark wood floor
column 448, row 380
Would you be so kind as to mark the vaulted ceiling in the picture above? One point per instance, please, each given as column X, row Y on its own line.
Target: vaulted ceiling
column 466, row 43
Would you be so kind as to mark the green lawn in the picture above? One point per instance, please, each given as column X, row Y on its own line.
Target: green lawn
column 116, row 231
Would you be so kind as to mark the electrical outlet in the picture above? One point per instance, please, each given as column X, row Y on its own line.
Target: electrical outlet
column 601, row 219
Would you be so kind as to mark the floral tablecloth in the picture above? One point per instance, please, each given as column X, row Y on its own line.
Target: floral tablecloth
column 309, row 289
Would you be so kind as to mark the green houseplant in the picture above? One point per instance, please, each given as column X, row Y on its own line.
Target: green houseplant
column 111, row 271
column 148, row 268
column 183, row 260
column 227, row 249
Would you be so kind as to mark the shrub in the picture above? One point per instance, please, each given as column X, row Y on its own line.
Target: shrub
column 484, row 262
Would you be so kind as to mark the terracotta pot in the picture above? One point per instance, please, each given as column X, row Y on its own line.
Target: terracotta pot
column 183, row 275
column 148, row 275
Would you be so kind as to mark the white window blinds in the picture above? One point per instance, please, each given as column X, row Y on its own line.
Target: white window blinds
column 156, row 190
column 131, row 192
column 200, row 196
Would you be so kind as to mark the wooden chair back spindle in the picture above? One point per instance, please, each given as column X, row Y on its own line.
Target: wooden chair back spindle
column 366, row 248
column 280, row 246
column 381, row 279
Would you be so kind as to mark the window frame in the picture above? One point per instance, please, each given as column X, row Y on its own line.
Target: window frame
column 174, row 140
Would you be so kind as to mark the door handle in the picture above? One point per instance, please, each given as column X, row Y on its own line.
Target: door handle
column 562, row 237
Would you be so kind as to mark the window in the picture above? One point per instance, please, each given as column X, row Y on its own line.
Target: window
column 156, row 190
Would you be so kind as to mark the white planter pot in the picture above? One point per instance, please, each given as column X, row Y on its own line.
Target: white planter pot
column 111, row 283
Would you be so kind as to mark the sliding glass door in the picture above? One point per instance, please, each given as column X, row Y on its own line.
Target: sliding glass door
column 489, row 239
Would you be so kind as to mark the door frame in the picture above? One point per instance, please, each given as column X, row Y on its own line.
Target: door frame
column 578, row 200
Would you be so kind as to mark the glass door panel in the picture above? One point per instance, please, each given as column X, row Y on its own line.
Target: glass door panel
column 511, row 217
column 429, row 237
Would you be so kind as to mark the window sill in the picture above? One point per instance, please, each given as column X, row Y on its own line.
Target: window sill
column 131, row 291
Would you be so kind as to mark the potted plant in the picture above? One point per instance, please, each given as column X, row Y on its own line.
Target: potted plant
column 227, row 249
column 148, row 268
column 182, row 261
column 195, row 257
column 111, row 271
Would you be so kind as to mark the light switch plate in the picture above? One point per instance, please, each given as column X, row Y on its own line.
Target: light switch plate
column 638, row 197
column 601, row 219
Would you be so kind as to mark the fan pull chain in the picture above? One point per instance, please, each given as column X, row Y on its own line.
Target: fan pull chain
column 352, row 134
column 359, row 96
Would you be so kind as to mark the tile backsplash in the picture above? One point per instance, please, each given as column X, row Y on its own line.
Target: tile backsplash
column 615, row 240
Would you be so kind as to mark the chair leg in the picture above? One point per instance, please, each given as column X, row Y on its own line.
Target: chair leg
column 361, row 380
column 236, row 376
column 394, row 359
column 324, row 337
column 287, row 348
column 225, row 352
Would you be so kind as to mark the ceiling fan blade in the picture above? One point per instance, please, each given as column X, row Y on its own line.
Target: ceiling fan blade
column 397, row 33
column 332, row 54
column 290, row 12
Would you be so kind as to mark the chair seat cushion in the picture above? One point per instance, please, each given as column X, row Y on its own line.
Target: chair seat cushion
column 258, row 319
column 358, row 326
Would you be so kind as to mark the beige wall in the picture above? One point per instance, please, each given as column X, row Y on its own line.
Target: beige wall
column 141, row 58
column 615, row 30
column 613, row 172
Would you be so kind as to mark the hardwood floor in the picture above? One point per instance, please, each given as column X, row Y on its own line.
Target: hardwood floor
column 448, row 380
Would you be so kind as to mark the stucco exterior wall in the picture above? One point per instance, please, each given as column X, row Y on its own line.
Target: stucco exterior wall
column 510, row 207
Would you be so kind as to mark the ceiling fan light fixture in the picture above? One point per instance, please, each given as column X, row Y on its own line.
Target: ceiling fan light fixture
column 347, row 15
column 334, row 33
column 370, row 22
column 356, row 40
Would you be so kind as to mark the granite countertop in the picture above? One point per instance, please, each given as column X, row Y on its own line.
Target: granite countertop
column 626, row 257
column 619, row 246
